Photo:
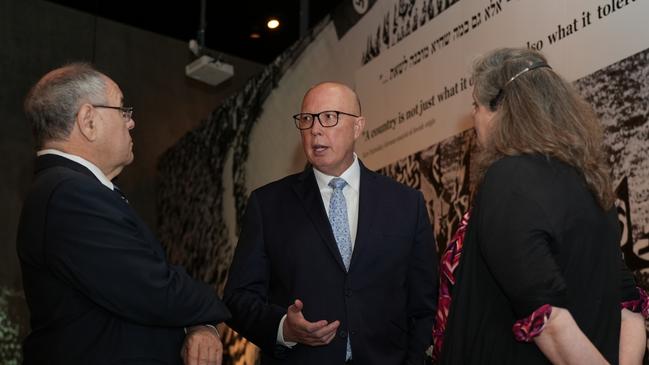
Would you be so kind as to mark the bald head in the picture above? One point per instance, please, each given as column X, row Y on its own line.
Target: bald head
column 342, row 91
column 331, row 149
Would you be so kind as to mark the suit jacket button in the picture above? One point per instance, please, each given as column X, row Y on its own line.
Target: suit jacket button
column 348, row 293
column 342, row 334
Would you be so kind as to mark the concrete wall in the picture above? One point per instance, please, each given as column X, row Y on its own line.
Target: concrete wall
column 36, row 36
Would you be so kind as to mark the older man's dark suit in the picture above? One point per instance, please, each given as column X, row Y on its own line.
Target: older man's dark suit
column 97, row 283
column 286, row 251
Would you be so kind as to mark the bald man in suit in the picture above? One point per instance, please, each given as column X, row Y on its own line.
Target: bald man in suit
column 336, row 264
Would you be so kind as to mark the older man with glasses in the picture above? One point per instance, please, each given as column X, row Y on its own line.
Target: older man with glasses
column 98, row 286
column 336, row 264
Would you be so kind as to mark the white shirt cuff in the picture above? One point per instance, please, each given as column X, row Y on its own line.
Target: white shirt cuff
column 206, row 325
column 280, row 334
column 214, row 328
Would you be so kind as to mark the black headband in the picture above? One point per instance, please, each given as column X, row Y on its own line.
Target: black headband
column 494, row 102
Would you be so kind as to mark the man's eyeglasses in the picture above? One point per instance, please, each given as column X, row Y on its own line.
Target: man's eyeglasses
column 327, row 118
column 125, row 111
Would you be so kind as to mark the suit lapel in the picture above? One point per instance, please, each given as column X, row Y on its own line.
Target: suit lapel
column 48, row 161
column 308, row 192
column 367, row 202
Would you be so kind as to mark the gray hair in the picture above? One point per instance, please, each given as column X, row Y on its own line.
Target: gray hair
column 493, row 73
column 51, row 105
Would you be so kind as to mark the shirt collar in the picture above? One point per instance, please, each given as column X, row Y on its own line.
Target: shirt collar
column 82, row 161
column 352, row 176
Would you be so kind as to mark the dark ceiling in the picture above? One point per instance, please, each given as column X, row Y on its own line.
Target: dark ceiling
column 229, row 22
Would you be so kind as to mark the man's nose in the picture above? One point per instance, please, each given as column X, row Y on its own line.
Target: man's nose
column 317, row 128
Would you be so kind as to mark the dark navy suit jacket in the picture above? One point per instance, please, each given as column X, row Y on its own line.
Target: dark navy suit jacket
column 97, row 282
column 287, row 251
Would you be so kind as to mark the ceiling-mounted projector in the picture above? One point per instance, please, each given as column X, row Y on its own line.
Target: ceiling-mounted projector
column 209, row 71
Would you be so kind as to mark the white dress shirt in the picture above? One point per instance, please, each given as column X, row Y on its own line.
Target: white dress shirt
column 351, row 192
column 82, row 161
column 353, row 178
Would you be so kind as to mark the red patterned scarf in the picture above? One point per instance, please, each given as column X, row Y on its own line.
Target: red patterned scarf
column 448, row 265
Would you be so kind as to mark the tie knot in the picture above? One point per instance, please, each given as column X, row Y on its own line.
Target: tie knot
column 337, row 183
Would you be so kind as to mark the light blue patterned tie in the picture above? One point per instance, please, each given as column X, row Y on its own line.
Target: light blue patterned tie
column 338, row 220
column 340, row 226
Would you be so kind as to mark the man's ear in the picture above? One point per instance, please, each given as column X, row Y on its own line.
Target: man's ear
column 359, row 125
column 85, row 122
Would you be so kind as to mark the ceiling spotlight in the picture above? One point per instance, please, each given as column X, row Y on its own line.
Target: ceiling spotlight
column 255, row 35
column 273, row 23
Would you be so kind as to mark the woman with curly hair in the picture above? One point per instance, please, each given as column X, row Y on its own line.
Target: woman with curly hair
column 541, row 278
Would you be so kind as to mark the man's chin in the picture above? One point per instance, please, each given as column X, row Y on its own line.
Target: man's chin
column 130, row 159
column 319, row 162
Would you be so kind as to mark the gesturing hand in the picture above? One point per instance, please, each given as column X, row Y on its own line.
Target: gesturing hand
column 298, row 329
column 202, row 346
